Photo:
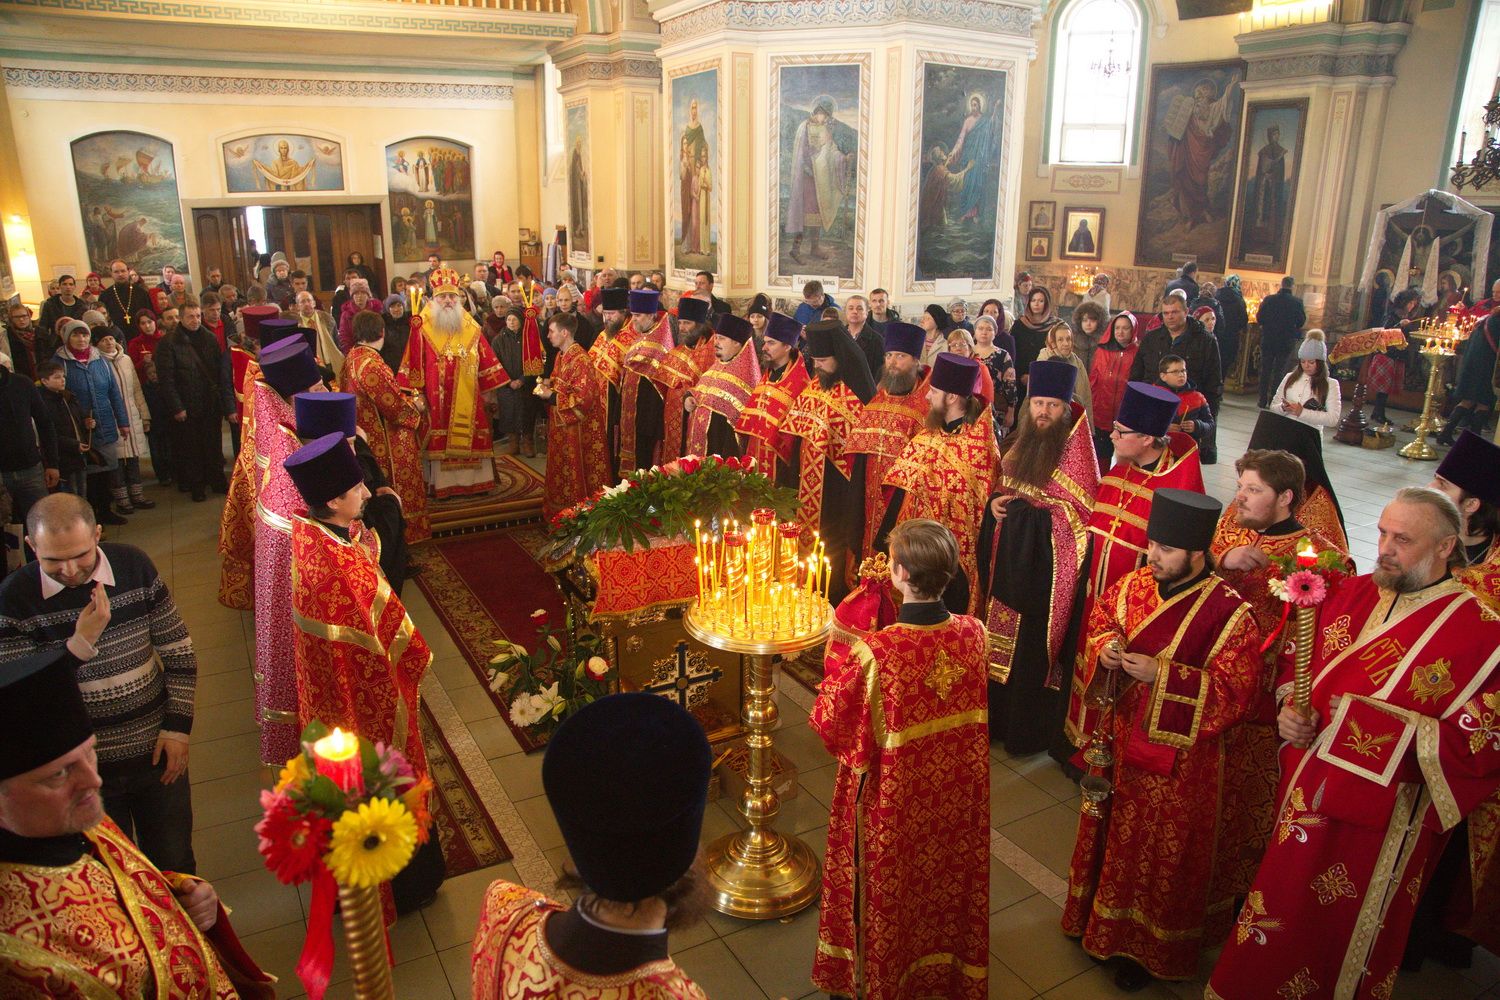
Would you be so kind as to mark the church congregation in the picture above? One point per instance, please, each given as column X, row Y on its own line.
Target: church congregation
column 568, row 521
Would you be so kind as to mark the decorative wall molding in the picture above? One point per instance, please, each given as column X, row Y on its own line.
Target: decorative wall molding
column 605, row 70
column 986, row 16
column 255, row 86
column 383, row 18
column 1328, row 64
column 1086, row 180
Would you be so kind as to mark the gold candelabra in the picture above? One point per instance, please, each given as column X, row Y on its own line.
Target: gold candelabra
column 1442, row 337
column 1081, row 279
column 759, row 598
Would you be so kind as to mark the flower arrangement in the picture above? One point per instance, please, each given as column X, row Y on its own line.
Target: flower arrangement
column 665, row 500
column 547, row 686
column 363, row 830
column 1304, row 582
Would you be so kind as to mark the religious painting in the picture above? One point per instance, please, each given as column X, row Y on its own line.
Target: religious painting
column 1082, row 234
column 1042, row 216
column 127, row 195
column 1038, row 246
column 1192, row 148
column 1188, row 10
column 576, row 137
column 1274, row 135
column 283, row 163
column 818, row 118
column 693, row 181
column 1436, row 242
column 961, row 115
column 432, row 198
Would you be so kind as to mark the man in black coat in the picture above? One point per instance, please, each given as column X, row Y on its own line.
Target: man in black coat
column 866, row 337
column 1281, row 318
column 1185, row 337
column 28, row 446
column 189, row 374
column 1187, row 280
column 1235, row 321
column 29, row 345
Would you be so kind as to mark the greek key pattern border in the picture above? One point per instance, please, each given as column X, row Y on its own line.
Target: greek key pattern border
column 762, row 15
column 253, row 86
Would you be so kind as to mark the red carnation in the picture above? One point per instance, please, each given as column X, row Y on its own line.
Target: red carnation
column 731, row 462
column 690, row 465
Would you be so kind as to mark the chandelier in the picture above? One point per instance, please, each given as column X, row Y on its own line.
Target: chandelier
column 1081, row 279
column 1485, row 166
column 1108, row 66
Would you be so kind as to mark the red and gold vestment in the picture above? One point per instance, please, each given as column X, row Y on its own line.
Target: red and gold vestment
column 608, row 354
column 885, row 427
column 678, row 372
column 905, row 909
column 359, row 657
column 641, row 379
column 108, row 925
column 513, row 962
column 1143, row 881
column 393, row 427
column 762, row 419
column 577, row 453
column 822, row 419
column 275, row 499
column 723, row 389
column 949, row 478
column 237, row 520
column 1117, row 535
column 1412, row 748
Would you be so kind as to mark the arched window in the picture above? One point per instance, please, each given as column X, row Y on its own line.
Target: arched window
column 1479, row 84
column 1096, row 57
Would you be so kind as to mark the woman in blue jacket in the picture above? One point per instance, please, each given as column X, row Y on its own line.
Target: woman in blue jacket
column 91, row 380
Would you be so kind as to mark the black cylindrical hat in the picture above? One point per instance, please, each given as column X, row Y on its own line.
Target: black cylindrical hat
column 1183, row 519
column 736, row 329
column 954, row 373
column 783, row 328
column 42, row 716
column 1051, row 380
column 905, row 337
column 1473, row 465
column 627, row 779
column 324, row 469
column 821, row 338
column 288, row 366
column 617, row 299
column 692, row 310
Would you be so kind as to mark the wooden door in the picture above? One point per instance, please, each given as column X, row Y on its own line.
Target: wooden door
column 223, row 241
column 318, row 239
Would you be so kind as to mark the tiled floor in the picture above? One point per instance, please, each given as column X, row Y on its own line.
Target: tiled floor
column 1033, row 811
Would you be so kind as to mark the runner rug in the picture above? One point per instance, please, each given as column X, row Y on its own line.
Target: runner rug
column 483, row 588
column 465, row 827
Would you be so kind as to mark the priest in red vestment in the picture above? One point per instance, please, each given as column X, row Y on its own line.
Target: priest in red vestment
column 761, row 421
column 820, row 421
column 627, row 780
column 1260, row 524
column 1178, row 657
column 906, row 881
column 887, row 424
column 608, row 355
column 1403, row 742
column 717, row 401
column 679, row 372
column 449, row 361
column 83, row 913
column 1148, row 457
column 642, row 382
column 1032, row 547
column 947, row 472
column 577, row 459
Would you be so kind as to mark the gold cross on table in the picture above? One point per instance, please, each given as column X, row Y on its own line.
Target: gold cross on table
column 683, row 676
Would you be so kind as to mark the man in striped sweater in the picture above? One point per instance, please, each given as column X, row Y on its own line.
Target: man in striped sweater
column 137, row 682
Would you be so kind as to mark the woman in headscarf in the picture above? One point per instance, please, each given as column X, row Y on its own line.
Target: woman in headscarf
column 1000, row 363
column 1088, row 322
column 1060, row 347
column 1031, row 327
column 126, row 489
column 397, row 331
column 356, row 262
column 1108, row 372
column 359, row 301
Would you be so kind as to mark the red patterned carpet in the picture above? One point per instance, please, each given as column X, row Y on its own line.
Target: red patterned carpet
column 517, row 499
column 466, row 830
column 484, row 587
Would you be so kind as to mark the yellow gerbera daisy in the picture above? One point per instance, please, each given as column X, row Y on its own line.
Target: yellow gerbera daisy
column 295, row 772
column 371, row 844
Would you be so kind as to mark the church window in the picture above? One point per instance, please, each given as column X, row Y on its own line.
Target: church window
column 1096, row 57
column 1480, row 83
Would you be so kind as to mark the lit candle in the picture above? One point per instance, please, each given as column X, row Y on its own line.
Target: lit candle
column 337, row 758
column 1307, row 555
column 790, row 532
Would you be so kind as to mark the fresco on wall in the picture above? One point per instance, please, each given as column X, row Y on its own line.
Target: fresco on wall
column 432, row 200
column 816, row 118
column 577, row 138
column 1268, row 184
column 962, row 111
column 694, row 196
column 1192, row 146
column 127, row 196
column 283, row 163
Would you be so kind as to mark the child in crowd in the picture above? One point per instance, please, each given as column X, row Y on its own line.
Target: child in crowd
column 1193, row 417
column 74, row 430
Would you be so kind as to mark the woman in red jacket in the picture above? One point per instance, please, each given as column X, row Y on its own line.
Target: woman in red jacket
column 1108, row 373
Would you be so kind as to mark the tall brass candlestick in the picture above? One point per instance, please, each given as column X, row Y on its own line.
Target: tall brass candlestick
column 364, row 933
column 1419, row 449
column 1302, row 668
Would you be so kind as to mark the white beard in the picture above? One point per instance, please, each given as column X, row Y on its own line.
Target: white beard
column 447, row 318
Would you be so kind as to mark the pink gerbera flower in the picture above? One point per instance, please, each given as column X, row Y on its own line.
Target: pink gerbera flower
column 1306, row 589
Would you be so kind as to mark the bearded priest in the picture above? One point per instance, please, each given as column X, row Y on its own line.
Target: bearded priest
column 761, row 421
column 887, row 424
column 716, row 402
column 1031, row 557
column 450, row 362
